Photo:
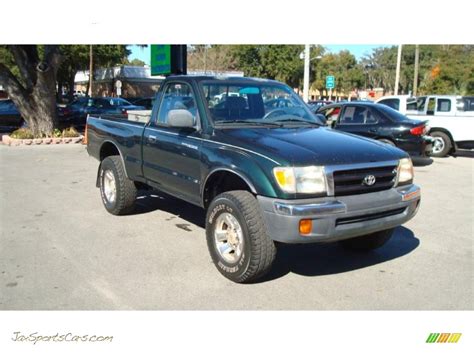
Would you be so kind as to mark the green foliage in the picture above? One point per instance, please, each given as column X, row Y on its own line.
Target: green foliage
column 455, row 64
column 279, row 62
column 57, row 133
column 343, row 66
column 22, row 133
column 6, row 58
column 135, row 62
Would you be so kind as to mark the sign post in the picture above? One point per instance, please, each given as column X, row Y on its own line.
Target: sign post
column 330, row 84
column 118, row 88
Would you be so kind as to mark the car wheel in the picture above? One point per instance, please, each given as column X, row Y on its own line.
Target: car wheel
column 237, row 238
column 441, row 144
column 117, row 191
column 369, row 241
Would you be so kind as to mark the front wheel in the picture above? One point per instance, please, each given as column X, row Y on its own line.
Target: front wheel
column 369, row 241
column 237, row 238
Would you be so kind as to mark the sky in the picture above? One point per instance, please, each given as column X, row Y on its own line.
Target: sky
column 358, row 50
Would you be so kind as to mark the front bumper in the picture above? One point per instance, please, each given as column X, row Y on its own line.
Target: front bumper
column 338, row 218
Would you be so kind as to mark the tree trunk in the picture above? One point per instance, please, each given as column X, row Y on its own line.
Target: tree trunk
column 35, row 95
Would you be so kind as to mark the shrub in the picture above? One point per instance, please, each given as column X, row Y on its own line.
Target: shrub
column 70, row 133
column 22, row 133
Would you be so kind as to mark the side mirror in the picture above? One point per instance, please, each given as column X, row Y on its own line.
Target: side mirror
column 180, row 118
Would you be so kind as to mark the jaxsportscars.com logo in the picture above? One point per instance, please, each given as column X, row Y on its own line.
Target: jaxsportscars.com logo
column 443, row 337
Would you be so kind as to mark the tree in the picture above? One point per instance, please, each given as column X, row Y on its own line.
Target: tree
column 135, row 62
column 279, row 62
column 443, row 69
column 347, row 73
column 31, row 84
column 76, row 58
column 210, row 58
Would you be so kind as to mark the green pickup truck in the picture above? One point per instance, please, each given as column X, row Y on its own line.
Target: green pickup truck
column 264, row 167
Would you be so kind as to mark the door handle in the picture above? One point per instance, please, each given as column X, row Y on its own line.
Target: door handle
column 152, row 138
column 372, row 130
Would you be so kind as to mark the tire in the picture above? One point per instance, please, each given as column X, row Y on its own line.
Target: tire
column 442, row 144
column 125, row 191
column 368, row 242
column 247, row 252
column 387, row 141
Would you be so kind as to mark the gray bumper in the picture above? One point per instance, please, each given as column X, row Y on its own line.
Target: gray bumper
column 337, row 218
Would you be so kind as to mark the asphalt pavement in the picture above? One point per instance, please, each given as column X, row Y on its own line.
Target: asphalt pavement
column 61, row 250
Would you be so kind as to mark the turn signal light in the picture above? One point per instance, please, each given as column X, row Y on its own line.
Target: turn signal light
column 306, row 226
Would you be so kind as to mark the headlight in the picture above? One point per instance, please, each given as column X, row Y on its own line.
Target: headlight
column 405, row 171
column 306, row 180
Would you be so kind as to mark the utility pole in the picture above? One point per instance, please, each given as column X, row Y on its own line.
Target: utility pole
column 91, row 70
column 397, row 75
column 415, row 79
column 306, row 73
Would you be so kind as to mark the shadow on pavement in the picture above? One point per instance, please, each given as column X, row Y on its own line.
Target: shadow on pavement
column 329, row 259
column 302, row 259
column 149, row 201
column 464, row 153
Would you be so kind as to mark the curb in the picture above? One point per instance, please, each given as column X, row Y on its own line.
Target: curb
column 7, row 140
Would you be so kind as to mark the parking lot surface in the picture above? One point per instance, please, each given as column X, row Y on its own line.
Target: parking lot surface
column 61, row 250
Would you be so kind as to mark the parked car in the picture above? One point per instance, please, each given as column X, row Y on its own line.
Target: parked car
column 10, row 118
column 146, row 102
column 379, row 122
column 262, row 174
column 317, row 104
column 451, row 121
column 84, row 106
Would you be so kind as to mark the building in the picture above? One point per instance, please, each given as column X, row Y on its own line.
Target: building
column 124, row 81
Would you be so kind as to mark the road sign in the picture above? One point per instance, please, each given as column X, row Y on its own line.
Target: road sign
column 160, row 59
column 330, row 82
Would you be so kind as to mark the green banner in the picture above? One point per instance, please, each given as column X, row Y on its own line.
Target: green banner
column 160, row 59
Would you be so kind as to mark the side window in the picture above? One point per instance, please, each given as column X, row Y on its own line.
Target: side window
column 393, row 103
column 354, row 115
column 411, row 105
column 331, row 114
column 177, row 96
column 444, row 105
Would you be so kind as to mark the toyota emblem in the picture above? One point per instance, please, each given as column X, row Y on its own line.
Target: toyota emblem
column 369, row 180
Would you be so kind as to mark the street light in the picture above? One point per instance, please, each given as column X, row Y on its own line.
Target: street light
column 306, row 55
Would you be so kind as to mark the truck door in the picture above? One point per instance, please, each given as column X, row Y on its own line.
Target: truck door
column 171, row 156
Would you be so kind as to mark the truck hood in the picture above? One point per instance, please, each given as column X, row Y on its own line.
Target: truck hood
column 308, row 146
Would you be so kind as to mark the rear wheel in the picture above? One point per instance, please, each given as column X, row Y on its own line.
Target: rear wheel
column 441, row 145
column 237, row 238
column 369, row 241
column 117, row 191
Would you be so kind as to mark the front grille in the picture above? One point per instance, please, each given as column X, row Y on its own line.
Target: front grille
column 369, row 217
column 351, row 182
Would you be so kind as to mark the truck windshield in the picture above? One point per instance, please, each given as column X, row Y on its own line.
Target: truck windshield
column 255, row 102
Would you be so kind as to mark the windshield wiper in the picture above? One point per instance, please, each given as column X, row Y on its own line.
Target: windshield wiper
column 298, row 120
column 248, row 122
